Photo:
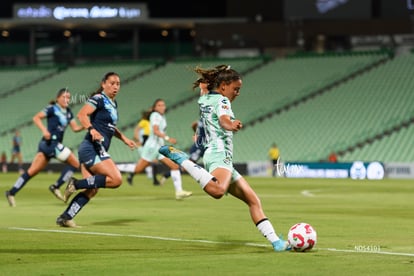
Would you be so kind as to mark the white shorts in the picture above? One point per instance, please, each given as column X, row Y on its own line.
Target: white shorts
column 149, row 153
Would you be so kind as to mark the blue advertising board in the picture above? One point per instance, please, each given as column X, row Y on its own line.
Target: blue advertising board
column 354, row 170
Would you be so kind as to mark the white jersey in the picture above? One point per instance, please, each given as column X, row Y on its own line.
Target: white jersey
column 153, row 140
column 212, row 106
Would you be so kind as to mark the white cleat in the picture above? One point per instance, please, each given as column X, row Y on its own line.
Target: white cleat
column 183, row 194
column 10, row 199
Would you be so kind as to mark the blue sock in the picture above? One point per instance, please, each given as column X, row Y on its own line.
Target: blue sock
column 20, row 182
column 66, row 174
column 75, row 206
column 92, row 182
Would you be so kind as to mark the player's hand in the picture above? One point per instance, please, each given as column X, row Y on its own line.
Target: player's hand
column 46, row 135
column 237, row 125
column 172, row 141
column 96, row 136
column 130, row 143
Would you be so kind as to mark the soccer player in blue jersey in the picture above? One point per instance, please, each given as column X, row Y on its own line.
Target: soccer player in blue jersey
column 219, row 123
column 197, row 149
column 16, row 150
column 99, row 116
column 58, row 116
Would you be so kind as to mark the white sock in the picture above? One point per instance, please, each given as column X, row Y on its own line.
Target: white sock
column 176, row 178
column 266, row 228
column 198, row 173
column 148, row 171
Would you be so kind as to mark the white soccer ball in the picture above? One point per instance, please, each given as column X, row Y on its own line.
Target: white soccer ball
column 302, row 237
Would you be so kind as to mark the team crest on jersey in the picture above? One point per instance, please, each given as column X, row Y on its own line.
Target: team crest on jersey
column 225, row 107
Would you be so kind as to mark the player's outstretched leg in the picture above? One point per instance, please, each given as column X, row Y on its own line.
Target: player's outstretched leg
column 174, row 154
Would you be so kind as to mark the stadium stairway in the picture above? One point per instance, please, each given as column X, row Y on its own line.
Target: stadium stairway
column 309, row 93
column 15, row 80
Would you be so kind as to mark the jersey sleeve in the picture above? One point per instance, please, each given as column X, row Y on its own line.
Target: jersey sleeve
column 223, row 107
column 70, row 115
column 155, row 118
column 95, row 101
column 48, row 110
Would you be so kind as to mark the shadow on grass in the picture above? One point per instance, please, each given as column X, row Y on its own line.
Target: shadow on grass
column 117, row 222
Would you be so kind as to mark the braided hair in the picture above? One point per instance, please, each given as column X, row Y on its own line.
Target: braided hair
column 215, row 76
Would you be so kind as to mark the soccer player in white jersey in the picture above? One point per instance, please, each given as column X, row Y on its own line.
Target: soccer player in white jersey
column 219, row 176
column 154, row 142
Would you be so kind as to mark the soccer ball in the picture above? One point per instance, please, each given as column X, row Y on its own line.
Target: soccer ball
column 302, row 237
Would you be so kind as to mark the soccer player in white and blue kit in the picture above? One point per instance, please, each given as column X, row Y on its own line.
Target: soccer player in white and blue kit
column 59, row 117
column 219, row 176
column 99, row 115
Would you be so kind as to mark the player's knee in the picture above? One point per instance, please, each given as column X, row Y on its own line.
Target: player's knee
column 218, row 193
column 214, row 189
column 217, row 196
column 117, row 181
column 114, row 181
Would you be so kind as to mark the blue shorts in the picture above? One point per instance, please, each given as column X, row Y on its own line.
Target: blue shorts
column 54, row 149
column 16, row 149
column 91, row 153
column 196, row 152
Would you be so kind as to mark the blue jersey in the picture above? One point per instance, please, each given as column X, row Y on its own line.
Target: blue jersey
column 104, row 118
column 201, row 135
column 57, row 120
column 17, row 140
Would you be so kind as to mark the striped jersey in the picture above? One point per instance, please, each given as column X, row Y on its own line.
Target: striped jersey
column 212, row 106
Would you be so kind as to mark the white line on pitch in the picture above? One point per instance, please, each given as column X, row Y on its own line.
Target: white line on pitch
column 197, row 241
column 307, row 193
column 370, row 252
column 133, row 236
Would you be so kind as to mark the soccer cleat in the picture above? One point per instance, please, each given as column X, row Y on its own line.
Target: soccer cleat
column 183, row 194
column 174, row 154
column 162, row 180
column 70, row 189
column 281, row 245
column 129, row 178
column 56, row 192
column 66, row 222
column 10, row 199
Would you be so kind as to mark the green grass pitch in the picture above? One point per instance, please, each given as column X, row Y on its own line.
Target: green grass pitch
column 364, row 228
